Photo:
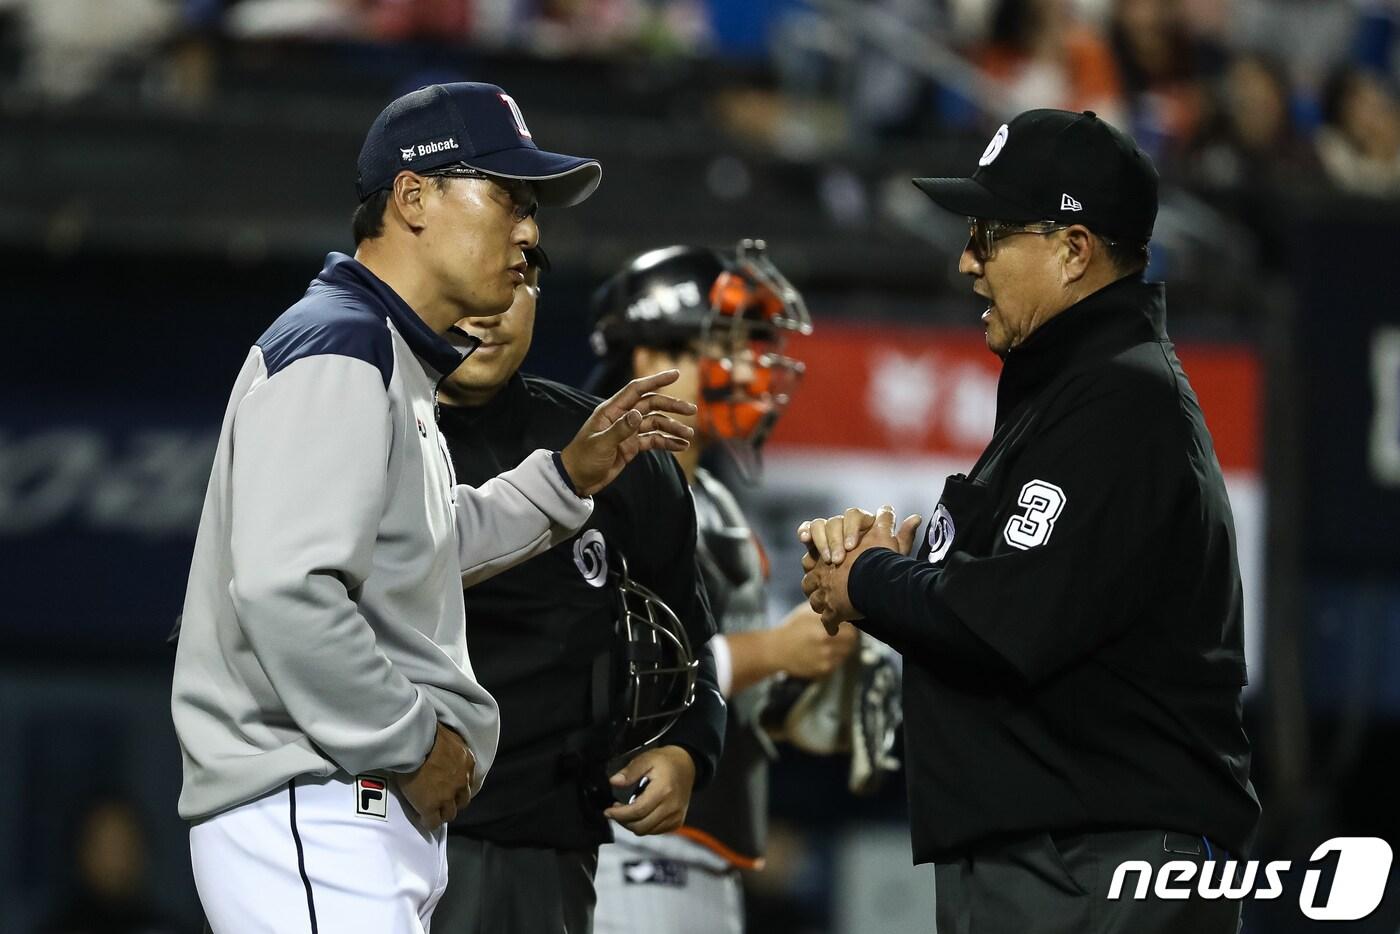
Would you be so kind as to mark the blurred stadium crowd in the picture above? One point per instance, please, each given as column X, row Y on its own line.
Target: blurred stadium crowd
column 197, row 157
column 1236, row 100
column 1225, row 94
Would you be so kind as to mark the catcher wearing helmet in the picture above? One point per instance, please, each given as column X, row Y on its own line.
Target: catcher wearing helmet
column 724, row 319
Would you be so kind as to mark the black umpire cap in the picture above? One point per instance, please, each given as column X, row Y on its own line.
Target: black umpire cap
column 476, row 124
column 1061, row 166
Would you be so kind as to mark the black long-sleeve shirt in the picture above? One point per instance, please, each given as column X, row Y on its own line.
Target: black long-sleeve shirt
column 1071, row 624
column 541, row 634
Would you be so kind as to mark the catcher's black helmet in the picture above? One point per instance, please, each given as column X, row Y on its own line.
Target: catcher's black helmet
column 659, row 298
column 733, row 307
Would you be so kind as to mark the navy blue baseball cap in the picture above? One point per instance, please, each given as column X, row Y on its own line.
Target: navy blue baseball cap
column 476, row 124
column 1061, row 166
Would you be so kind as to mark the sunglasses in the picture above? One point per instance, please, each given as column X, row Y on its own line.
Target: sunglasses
column 982, row 235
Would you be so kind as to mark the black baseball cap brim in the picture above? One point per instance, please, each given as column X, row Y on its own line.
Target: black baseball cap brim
column 970, row 198
column 560, row 181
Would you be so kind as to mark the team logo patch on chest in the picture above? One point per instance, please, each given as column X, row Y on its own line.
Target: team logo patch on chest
column 591, row 557
column 940, row 534
column 371, row 797
column 654, row 872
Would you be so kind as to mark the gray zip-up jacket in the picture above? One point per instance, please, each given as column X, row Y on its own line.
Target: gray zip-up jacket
column 323, row 622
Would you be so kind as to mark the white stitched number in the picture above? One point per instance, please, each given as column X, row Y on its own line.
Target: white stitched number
column 1043, row 503
column 517, row 115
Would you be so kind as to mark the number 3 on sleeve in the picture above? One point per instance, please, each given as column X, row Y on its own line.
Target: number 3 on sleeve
column 1043, row 503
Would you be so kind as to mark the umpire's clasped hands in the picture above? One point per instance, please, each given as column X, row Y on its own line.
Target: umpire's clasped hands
column 834, row 544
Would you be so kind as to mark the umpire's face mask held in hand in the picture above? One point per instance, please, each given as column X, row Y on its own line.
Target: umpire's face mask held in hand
column 1029, row 273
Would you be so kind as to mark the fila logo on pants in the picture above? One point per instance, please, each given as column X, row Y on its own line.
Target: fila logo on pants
column 371, row 797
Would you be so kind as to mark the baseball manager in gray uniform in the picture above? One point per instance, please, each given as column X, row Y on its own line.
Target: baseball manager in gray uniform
column 327, row 712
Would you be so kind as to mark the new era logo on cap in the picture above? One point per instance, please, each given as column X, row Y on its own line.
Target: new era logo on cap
column 1069, row 204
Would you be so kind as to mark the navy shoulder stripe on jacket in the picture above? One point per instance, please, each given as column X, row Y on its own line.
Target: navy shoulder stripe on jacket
column 328, row 320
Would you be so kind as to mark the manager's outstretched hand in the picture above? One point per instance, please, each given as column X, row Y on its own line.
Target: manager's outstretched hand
column 632, row 421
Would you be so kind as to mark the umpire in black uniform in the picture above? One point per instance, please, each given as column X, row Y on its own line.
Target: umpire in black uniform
column 522, row 856
column 1071, row 622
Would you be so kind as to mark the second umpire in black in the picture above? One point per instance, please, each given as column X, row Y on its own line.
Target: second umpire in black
column 522, row 856
column 1071, row 621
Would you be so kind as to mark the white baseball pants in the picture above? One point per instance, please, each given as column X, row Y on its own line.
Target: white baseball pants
column 319, row 856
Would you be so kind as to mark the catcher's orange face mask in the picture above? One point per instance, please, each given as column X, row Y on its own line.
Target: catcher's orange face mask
column 746, row 378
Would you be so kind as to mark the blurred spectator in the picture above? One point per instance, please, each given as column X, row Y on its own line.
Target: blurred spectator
column 71, row 45
column 300, row 19
column 1359, row 143
column 1312, row 36
column 660, row 28
column 110, row 894
column 437, row 20
column 1249, row 136
column 1250, row 148
column 887, row 96
column 1166, row 70
column 1043, row 55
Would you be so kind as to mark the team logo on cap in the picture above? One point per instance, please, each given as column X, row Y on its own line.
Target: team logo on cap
column 591, row 557
column 993, row 149
column 517, row 116
column 1069, row 204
